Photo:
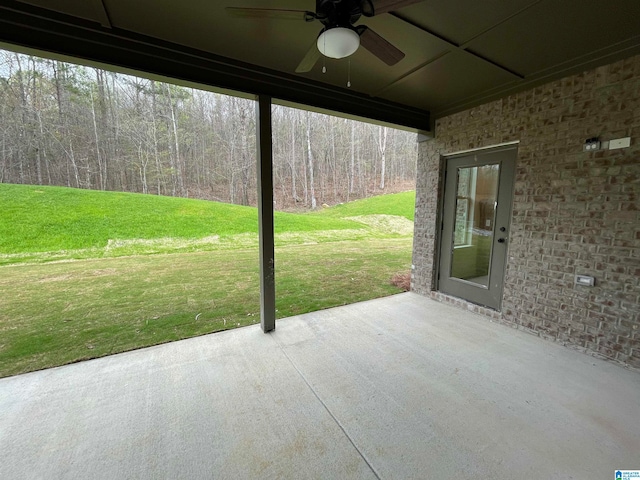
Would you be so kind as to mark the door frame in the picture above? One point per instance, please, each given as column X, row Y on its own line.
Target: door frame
column 440, row 216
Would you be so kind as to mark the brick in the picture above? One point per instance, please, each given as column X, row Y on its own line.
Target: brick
column 572, row 211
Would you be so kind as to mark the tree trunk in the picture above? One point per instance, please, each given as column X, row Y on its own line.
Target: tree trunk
column 72, row 158
column 294, row 192
column 382, row 145
column 95, row 133
column 154, row 109
column 312, row 191
column 352, row 165
column 174, row 125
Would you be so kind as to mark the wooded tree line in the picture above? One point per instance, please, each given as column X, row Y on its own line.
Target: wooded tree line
column 69, row 125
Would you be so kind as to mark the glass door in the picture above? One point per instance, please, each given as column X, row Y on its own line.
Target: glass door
column 476, row 217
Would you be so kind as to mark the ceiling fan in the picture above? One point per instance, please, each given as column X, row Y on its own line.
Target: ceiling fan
column 340, row 37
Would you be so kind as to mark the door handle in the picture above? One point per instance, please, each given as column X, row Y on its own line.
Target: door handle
column 502, row 240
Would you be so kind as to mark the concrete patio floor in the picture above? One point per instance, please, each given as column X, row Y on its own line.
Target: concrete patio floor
column 400, row 387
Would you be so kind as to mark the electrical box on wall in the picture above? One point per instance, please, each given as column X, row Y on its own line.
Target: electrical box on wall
column 594, row 144
column 620, row 143
column 585, row 280
column 591, row 144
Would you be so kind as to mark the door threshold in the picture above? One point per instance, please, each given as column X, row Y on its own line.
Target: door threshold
column 466, row 305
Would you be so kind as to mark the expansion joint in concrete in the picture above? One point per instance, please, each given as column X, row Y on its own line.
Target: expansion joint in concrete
column 326, row 407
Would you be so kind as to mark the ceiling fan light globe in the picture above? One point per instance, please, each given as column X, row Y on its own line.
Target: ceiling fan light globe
column 338, row 42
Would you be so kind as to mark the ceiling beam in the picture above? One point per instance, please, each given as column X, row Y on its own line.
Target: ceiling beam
column 455, row 46
column 467, row 42
column 102, row 13
column 583, row 63
column 32, row 27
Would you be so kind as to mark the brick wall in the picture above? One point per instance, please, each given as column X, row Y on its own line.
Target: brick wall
column 574, row 212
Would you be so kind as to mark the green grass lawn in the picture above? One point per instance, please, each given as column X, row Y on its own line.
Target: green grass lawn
column 52, row 219
column 52, row 313
column 400, row 204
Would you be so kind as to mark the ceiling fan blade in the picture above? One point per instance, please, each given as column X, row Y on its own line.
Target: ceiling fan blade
column 309, row 60
column 271, row 13
column 385, row 6
column 379, row 46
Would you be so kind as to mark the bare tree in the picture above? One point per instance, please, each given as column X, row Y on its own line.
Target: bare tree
column 312, row 189
column 65, row 124
column 382, row 148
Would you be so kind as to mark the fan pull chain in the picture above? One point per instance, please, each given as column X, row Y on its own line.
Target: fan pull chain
column 349, row 75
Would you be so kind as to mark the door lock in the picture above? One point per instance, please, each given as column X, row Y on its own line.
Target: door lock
column 502, row 240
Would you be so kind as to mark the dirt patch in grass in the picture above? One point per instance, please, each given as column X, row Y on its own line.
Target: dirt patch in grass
column 54, row 278
column 393, row 224
column 402, row 280
column 164, row 242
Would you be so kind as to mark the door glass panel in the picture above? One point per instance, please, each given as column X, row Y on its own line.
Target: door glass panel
column 476, row 195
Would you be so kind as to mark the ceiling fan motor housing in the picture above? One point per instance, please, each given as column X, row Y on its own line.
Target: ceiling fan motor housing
column 341, row 13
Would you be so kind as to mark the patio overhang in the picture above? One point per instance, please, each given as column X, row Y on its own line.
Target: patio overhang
column 54, row 33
